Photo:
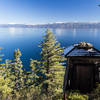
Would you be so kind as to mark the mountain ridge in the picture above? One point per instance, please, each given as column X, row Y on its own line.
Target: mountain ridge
column 55, row 25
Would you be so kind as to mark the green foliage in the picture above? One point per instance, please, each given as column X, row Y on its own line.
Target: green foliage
column 1, row 55
column 44, row 80
column 5, row 90
column 51, row 65
column 95, row 95
column 35, row 72
column 17, row 71
column 77, row 96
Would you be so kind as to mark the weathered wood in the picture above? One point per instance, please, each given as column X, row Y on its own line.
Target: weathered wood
column 83, row 68
column 84, row 77
column 83, row 73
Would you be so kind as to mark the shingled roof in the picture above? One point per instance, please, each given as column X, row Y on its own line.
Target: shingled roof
column 81, row 49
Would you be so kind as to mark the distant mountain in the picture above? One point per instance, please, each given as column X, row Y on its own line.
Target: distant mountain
column 15, row 25
column 55, row 25
column 70, row 25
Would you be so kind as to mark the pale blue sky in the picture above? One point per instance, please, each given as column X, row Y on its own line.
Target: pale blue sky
column 48, row 11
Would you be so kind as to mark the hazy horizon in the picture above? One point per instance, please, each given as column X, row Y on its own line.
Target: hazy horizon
column 49, row 23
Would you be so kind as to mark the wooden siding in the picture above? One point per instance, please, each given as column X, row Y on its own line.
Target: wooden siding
column 82, row 73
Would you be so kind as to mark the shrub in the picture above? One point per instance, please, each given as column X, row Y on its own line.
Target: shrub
column 77, row 96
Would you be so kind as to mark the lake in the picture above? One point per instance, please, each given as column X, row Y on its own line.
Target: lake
column 28, row 39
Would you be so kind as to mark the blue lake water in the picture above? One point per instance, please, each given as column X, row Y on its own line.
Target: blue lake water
column 27, row 40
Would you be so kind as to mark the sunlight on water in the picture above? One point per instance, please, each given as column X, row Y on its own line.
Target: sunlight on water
column 59, row 31
column 95, row 33
column 74, row 32
column 15, row 31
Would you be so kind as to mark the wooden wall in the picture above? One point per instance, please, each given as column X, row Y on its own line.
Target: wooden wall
column 83, row 73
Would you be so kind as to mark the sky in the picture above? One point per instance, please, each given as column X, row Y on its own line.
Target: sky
column 48, row 11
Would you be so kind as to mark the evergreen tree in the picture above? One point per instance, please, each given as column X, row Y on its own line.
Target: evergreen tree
column 36, row 75
column 5, row 82
column 17, row 71
column 52, row 56
column 2, row 69
column 34, row 66
column 5, row 89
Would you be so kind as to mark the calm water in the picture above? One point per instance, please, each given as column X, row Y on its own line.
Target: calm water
column 27, row 40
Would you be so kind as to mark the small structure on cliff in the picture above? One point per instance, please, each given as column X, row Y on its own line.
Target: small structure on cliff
column 83, row 67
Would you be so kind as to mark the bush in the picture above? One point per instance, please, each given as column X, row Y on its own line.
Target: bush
column 95, row 95
column 77, row 96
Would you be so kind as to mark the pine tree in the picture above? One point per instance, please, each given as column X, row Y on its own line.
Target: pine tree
column 52, row 56
column 17, row 71
column 5, row 89
column 36, row 74
column 5, row 82
column 34, row 71
column 2, row 69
